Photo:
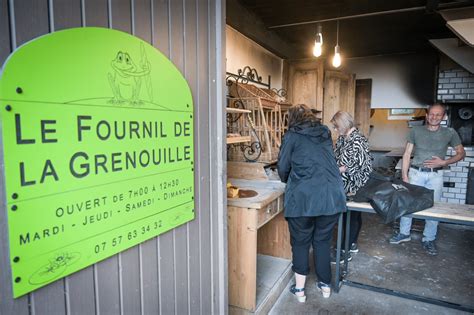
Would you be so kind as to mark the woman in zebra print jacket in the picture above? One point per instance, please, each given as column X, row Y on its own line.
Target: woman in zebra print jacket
column 355, row 164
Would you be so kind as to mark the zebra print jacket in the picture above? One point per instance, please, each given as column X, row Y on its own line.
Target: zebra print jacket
column 353, row 152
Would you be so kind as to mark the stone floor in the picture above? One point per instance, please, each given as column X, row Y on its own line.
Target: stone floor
column 405, row 267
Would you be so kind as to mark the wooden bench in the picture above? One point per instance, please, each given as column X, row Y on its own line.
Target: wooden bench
column 442, row 212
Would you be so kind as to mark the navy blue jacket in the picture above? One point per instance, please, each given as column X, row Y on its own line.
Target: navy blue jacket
column 308, row 166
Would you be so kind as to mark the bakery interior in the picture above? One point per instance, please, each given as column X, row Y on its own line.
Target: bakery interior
column 396, row 59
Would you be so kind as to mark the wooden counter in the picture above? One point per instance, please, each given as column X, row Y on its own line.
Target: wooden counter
column 256, row 225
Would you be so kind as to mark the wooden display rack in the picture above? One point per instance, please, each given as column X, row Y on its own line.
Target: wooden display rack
column 266, row 121
column 232, row 139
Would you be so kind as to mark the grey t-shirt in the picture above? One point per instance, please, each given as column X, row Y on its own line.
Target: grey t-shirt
column 431, row 143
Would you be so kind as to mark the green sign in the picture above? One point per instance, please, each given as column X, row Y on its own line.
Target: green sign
column 98, row 149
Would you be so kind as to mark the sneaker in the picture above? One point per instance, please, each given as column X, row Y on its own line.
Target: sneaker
column 333, row 257
column 294, row 290
column 399, row 238
column 354, row 248
column 324, row 289
column 430, row 247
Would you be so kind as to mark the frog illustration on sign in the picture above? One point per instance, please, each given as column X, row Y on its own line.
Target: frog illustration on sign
column 54, row 268
column 127, row 78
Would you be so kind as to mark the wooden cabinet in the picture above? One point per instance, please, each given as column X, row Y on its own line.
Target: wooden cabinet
column 363, row 95
column 327, row 91
column 339, row 91
column 304, row 87
column 305, row 83
column 257, row 234
column 343, row 92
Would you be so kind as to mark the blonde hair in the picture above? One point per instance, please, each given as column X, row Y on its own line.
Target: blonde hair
column 343, row 121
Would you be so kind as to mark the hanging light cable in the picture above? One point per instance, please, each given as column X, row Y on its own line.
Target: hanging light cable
column 336, row 60
column 318, row 43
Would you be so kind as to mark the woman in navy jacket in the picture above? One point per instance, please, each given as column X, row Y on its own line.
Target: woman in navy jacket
column 314, row 195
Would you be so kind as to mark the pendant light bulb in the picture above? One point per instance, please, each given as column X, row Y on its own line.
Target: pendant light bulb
column 336, row 60
column 318, row 43
column 317, row 49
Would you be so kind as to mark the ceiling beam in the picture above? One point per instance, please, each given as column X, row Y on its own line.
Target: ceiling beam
column 362, row 15
column 351, row 17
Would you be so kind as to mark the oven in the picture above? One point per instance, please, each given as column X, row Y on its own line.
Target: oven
column 461, row 119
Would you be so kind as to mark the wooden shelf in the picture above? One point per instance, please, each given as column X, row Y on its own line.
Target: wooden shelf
column 231, row 140
column 237, row 110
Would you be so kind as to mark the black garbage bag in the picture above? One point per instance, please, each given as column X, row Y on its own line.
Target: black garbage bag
column 366, row 192
column 393, row 198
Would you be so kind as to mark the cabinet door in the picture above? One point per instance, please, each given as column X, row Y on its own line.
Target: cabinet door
column 363, row 95
column 339, row 94
column 305, row 83
column 304, row 87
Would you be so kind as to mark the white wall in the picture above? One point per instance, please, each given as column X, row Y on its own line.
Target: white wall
column 242, row 51
column 387, row 133
column 398, row 81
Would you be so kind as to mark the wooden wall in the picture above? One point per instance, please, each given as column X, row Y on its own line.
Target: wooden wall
column 184, row 270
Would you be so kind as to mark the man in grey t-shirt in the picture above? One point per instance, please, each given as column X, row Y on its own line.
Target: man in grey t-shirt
column 430, row 143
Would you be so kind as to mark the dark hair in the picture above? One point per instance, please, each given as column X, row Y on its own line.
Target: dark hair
column 301, row 113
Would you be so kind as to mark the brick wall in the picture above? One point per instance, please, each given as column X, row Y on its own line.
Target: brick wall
column 455, row 85
column 457, row 176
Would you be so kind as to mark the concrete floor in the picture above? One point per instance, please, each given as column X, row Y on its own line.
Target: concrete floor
column 405, row 267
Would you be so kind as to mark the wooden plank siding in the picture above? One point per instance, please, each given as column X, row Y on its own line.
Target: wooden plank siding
column 66, row 14
column 191, row 75
column 120, row 17
column 95, row 13
column 201, row 149
column 5, row 38
column 184, row 270
column 177, row 53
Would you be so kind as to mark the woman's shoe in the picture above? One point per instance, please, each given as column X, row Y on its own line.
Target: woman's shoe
column 294, row 290
column 354, row 248
column 333, row 257
column 324, row 289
